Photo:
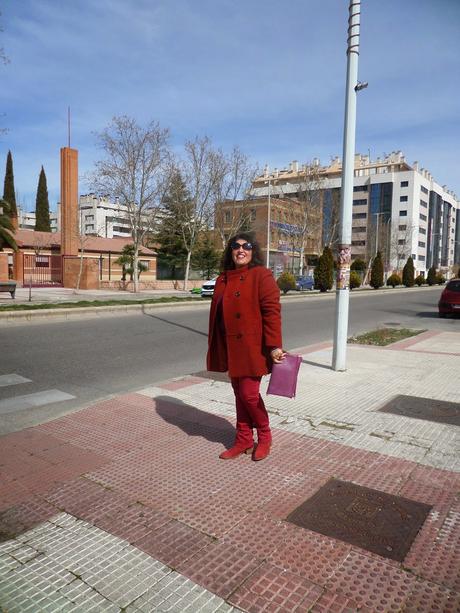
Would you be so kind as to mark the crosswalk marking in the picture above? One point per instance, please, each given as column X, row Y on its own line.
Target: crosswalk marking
column 12, row 379
column 29, row 401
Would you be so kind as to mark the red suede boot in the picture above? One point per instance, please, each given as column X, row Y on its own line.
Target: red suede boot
column 244, row 442
column 262, row 451
column 234, row 452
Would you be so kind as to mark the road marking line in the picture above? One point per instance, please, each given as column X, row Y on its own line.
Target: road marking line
column 29, row 401
column 12, row 379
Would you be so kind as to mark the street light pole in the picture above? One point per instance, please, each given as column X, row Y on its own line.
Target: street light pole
column 268, row 224
column 346, row 196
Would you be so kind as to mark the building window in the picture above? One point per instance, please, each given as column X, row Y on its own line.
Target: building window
column 403, row 213
column 403, row 199
column 424, row 189
column 358, row 228
column 404, row 183
column 228, row 216
column 359, row 215
column 360, row 188
column 422, row 217
column 421, row 244
column 253, row 214
column 146, row 263
column 359, row 202
column 421, row 258
column 402, row 227
column 424, row 204
column 358, row 243
column 401, row 241
column 422, row 230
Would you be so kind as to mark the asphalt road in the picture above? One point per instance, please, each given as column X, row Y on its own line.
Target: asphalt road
column 94, row 358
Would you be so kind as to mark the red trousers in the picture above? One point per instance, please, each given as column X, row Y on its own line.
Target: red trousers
column 250, row 411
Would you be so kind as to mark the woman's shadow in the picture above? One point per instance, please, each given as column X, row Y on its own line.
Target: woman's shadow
column 195, row 422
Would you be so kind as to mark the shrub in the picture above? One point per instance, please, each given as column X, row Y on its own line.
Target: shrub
column 324, row 272
column 377, row 271
column 355, row 279
column 359, row 265
column 419, row 280
column 431, row 278
column 394, row 280
column 408, row 273
column 440, row 279
column 286, row 281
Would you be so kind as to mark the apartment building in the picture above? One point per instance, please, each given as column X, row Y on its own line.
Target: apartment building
column 398, row 209
column 26, row 220
column 100, row 217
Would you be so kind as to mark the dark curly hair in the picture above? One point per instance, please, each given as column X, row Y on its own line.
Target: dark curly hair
column 257, row 258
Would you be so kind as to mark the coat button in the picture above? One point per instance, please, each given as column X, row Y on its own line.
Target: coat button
column 237, row 315
column 237, row 294
column 239, row 336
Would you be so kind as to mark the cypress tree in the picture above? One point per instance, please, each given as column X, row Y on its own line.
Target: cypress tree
column 8, row 187
column 42, row 207
column 431, row 278
column 324, row 271
column 408, row 276
column 377, row 271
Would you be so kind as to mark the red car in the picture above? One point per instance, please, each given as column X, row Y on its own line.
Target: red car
column 449, row 302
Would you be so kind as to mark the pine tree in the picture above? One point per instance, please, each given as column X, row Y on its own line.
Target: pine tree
column 408, row 276
column 324, row 271
column 170, row 235
column 42, row 206
column 8, row 187
column 431, row 277
column 206, row 257
column 377, row 271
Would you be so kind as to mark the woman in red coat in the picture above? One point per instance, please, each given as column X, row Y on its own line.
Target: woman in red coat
column 245, row 338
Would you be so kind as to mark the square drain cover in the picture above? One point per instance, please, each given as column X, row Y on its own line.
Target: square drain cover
column 372, row 520
column 424, row 408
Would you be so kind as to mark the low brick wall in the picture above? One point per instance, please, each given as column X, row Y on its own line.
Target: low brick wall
column 146, row 285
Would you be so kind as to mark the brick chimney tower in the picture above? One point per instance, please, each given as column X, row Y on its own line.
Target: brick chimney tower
column 69, row 202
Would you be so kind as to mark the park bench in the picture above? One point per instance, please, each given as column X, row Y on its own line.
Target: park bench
column 8, row 286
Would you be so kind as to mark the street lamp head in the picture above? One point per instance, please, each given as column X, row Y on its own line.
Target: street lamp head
column 361, row 85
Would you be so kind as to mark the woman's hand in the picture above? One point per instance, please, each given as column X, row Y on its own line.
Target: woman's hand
column 277, row 355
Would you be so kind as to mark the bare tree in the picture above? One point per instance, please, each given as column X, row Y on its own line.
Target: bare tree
column 201, row 170
column 133, row 172
column 231, row 193
column 305, row 215
column 399, row 246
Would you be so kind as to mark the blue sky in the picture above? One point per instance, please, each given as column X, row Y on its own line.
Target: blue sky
column 267, row 75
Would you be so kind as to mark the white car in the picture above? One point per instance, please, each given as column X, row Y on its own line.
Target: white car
column 208, row 288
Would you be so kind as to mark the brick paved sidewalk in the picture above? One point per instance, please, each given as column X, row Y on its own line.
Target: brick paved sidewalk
column 125, row 506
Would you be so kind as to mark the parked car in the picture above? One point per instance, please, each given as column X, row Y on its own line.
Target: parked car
column 449, row 302
column 303, row 282
column 208, row 288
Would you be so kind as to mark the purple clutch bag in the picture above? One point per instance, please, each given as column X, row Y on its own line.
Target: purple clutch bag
column 283, row 380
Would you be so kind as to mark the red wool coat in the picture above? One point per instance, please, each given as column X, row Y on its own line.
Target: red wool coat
column 251, row 327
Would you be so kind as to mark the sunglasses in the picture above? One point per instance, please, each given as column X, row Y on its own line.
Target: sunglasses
column 246, row 246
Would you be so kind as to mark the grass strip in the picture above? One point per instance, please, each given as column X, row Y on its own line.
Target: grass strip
column 383, row 336
column 91, row 303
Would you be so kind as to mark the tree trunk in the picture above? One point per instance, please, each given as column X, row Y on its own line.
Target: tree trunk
column 136, row 269
column 187, row 269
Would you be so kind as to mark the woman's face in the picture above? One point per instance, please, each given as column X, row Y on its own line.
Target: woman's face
column 241, row 252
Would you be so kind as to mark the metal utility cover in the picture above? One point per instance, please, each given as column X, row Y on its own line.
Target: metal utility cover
column 367, row 518
column 438, row 411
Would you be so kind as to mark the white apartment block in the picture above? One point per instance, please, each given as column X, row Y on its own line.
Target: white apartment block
column 100, row 217
column 398, row 209
column 26, row 220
